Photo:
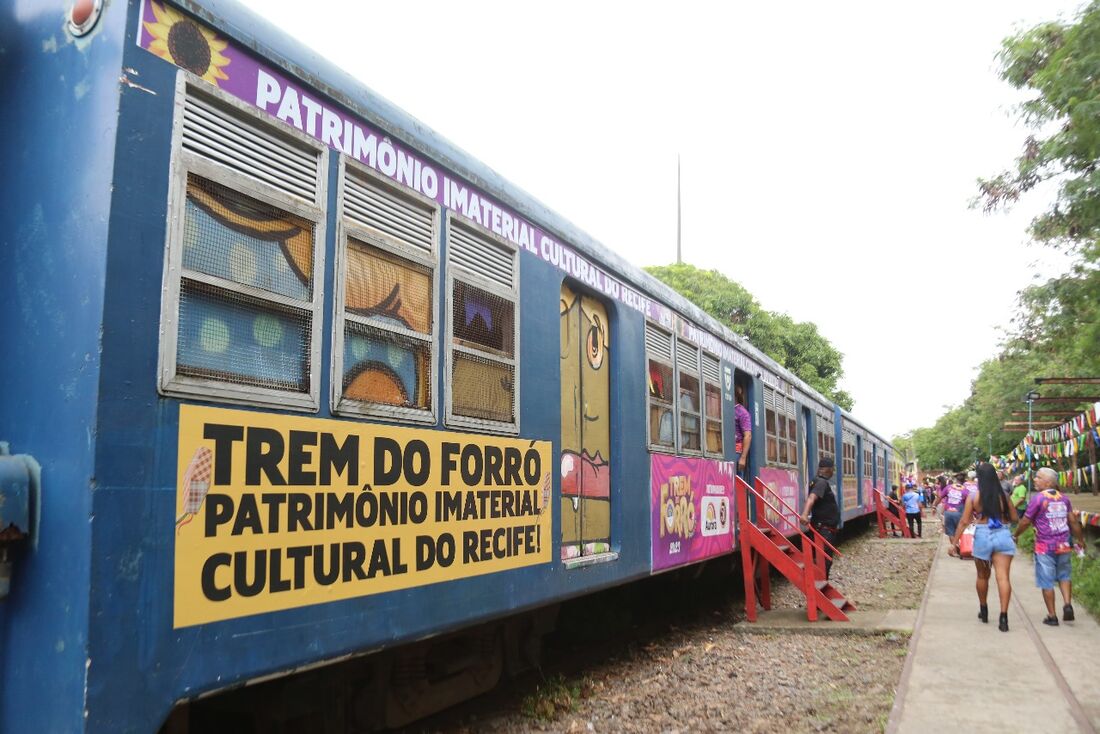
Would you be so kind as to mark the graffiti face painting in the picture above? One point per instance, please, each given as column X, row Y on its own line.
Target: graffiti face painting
column 586, row 433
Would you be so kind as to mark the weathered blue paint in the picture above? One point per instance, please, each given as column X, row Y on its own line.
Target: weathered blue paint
column 57, row 123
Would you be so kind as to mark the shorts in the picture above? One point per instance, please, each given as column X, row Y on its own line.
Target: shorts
column 1051, row 568
column 951, row 523
column 987, row 542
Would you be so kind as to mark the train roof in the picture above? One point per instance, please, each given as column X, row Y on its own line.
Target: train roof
column 278, row 48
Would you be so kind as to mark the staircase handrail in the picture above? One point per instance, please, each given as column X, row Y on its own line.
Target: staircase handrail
column 886, row 497
column 798, row 529
column 795, row 513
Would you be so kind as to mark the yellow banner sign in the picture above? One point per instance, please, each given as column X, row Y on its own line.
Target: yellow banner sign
column 276, row 511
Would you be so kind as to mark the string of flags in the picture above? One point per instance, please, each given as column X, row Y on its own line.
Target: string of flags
column 1069, row 439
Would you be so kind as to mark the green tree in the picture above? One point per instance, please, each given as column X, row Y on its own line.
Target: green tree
column 798, row 346
column 1058, row 63
column 1057, row 324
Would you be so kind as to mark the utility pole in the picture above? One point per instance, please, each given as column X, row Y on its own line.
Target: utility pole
column 678, row 258
column 1030, row 398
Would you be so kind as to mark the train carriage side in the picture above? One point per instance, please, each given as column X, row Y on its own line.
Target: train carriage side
column 353, row 390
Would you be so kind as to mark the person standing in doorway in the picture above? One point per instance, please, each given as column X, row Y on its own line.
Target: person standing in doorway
column 822, row 512
column 1052, row 514
column 742, row 435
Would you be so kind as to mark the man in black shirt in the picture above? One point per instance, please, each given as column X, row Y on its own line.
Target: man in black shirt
column 821, row 509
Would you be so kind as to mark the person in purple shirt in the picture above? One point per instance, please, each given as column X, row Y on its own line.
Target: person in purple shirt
column 1052, row 514
column 953, row 498
column 742, row 436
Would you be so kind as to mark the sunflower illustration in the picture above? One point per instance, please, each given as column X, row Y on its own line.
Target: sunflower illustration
column 187, row 44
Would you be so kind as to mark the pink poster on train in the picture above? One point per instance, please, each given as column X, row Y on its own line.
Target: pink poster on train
column 785, row 483
column 868, row 498
column 692, row 504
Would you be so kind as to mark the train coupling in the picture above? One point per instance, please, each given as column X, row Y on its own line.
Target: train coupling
column 19, row 477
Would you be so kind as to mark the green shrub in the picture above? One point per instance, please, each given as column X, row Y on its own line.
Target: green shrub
column 1026, row 540
column 1086, row 583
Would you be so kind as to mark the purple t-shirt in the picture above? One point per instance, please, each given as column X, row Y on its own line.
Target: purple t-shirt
column 953, row 497
column 743, row 424
column 1049, row 512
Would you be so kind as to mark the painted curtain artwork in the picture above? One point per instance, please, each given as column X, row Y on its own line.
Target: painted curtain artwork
column 585, row 426
column 692, row 509
column 223, row 333
column 380, row 365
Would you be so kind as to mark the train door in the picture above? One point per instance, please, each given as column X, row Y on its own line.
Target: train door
column 742, row 386
column 585, row 425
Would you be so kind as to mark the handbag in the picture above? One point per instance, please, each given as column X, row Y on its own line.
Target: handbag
column 966, row 541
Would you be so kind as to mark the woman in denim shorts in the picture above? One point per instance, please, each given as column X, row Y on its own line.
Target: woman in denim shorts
column 994, row 546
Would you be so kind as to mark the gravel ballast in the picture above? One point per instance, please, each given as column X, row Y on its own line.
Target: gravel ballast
column 691, row 670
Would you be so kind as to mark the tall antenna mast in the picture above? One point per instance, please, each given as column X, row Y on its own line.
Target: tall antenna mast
column 678, row 259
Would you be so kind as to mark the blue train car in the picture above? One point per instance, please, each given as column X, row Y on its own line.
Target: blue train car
column 306, row 382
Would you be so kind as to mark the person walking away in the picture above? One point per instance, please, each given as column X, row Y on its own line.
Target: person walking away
column 1052, row 514
column 953, row 498
column 1018, row 495
column 993, row 543
column 742, row 434
column 939, row 491
column 822, row 512
column 912, row 511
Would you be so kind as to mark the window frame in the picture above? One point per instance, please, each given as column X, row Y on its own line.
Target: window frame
column 348, row 230
column 785, row 416
column 451, row 420
column 707, row 418
column 826, row 438
column 184, row 162
column 697, row 373
column 848, row 441
column 671, row 364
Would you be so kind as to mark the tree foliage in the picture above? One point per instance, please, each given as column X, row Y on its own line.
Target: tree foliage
column 1056, row 329
column 797, row 345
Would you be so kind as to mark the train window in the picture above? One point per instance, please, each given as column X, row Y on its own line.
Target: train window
column 826, row 439
column 848, row 465
column 659, row 377
column 712, row 404
column 688, row 402
column 241, row 314
column 781, row 429
column 482, row 359
column 385, row 322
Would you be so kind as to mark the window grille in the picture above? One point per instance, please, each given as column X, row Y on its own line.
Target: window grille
column 712, row 404
column 242, row 303
column 385, row 323
column 483, row 360
column 688, row 401
column 661, row 388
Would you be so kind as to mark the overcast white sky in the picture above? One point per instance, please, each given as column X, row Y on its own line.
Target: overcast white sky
column 829, row 151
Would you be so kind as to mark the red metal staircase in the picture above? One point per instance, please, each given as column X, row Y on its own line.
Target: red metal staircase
column 764, row 546
column 890, row 513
